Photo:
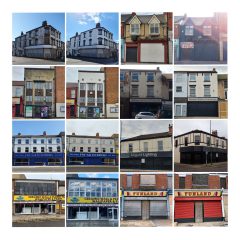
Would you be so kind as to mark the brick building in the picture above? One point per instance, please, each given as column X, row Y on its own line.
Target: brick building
column 71, row 102
column 146, row 196
column 60, row 91
column 17, row 98
column 200, row 197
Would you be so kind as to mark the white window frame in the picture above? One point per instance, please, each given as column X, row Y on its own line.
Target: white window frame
column 134, row 26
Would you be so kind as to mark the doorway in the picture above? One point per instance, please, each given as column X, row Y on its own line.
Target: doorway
column 198, row 207
column 145, row 210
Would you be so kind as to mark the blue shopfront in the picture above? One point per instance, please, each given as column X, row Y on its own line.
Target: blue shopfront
column 38, row 159
column 77, row 158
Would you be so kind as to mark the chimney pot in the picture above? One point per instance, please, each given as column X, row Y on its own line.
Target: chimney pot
column 97, row 135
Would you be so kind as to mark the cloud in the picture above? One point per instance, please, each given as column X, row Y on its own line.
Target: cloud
column 85, row 18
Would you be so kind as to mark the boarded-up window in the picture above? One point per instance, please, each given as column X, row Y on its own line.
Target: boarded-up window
column 146, row 180
column 200, row 181
column 169, row 181
column 129, row 181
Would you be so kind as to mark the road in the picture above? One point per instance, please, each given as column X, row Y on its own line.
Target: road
column 91, row 61
column 53, row 223
column 92, row 169
column 34, row 61
column 216, row 167
column 38, row 169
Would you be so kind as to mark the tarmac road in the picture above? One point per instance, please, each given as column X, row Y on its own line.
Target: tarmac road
column 52, row 223
column 34, row 61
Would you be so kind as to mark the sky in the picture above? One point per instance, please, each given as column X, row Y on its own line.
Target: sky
column 80, row 22
column 163, row 68
column 183, row 126
column 132, row 128
column 98, row 175
column 28, row 21
column 72, row 72
column 219, row 69
column 91, row 127
column 45, row 176
column 195, row 13
column 38, row 127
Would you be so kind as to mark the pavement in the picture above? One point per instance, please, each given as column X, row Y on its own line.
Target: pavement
column 215, row 167
column 91, row 61
column 204, row 224
column 92, row 168
column 34, row 61
column 92, row 223
column 146, row 223
column 54, row 220
column 38, row 169
column 200, row 62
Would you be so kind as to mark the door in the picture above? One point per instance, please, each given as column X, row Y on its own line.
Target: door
column 51, row 208
column 158, row 209
column 145, row 210
column 112, row 213
column 199, row 212
column 131, row 54
column 72, row 111
column 17, row 110
column 132, row 209
column 206, row 51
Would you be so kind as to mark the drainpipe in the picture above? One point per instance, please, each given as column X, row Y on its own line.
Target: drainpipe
column 168, row 207
column 223, row 213
column 122, row 203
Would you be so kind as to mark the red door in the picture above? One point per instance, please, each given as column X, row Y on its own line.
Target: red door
column 212, row 210
column 184, row 211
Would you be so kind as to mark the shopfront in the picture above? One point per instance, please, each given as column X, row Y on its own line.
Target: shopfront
column 71, row 108
column 41, row 111
column 38, row 159
column 198, row 206
column 145, row 205
column 147, row 160
column 91, row 158
column 37, row 204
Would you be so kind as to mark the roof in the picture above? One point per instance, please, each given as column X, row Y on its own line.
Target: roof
column 199, row 131
column 197, row 71
column 178, row 18
column 29, row 136
column 84, row 136
column 198, row 21
column 18, row 83
column 142, row 18
column 148, row 136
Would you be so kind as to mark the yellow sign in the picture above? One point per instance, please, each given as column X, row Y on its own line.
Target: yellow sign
column 38, row 198
column 91, row 200
column 70, row 101
column 198, row 193
column 145, row 193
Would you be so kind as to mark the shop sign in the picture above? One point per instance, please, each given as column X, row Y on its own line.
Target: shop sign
column 70, row 101
column 198, row 193
column 28, row 111
column 91, row 200
column 145, row 193
column 187, row 45
column 102, row 155
column 38, row 198
column 146, row 154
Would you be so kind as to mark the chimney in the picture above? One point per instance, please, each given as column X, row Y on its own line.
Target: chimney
column 21, row 33
column 133, row 13
column 215, row 132
column 19, row 134
column 44, row 133
column 214, row 69
column 98, row 25
column 97, row 135
column 44, row 23
column 170, row 129
column 73, row 134
column 76, row 33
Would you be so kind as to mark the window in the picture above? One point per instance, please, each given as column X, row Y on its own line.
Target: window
column 197, row 139
column 207, row 91
column 73, row 94
column 42, row 141
column 134, row 77
column 154, row 28
column 29, row 85
column 176, row 143
column 178, row 89
column 27, row 141
column 99, row 87
column 150, row 77
column 89, row 141
column 49, row 149
column 99, row 31
column 18, row 149
column 58, row 149
column 135, row 90
column 84, row 35
column 150, row 91
column 100, row 41
column 34, row 149
column 49, row 141
column 199, row 181
column 223, row 144
column 147, row 180
column 223, row 182
column 58, row 140
column 42, row 149
column 90, row 42
column 18, row 92
column 35, row 141
column 130, row 147
column 186, row 141
column 192, row 77
column 89, row 149
column 145, row 146
column 103, row 150
column 90, row 33
column 206, row 77
column 208, row 141
column 122, row 76
column 82, row 86
column 19, row 141
column 188, row 30
column 91, row 86
column 160, row 145
column 81, row 149
column 207, row 30
column 84, row 42
column 181, row 182
column 96, row 149
column 129, row 181
column 217, row 143
column 135, row 28
column 111, row 150
column 192, row 91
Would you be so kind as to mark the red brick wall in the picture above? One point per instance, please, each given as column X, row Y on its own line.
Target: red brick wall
column 188, row 182
column 60, row 84
column 135, row 181
column 123, row 181
column 111, row 85
column 176, row 181
column 213, row 182
column 161, row 181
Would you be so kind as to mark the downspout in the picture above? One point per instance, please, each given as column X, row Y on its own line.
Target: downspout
column 222, row 202
column 168, row 207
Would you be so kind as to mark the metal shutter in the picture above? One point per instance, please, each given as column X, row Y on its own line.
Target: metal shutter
column 212, row 209
column 152, row 52
column 158, row 208
column 184, row 210
column 132, row 208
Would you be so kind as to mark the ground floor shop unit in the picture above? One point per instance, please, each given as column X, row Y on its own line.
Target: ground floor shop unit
column 202, row 155
column 17, row 107
column 144, row 205
column 95, row 111
column 38, row 159
column 39, row 111
column 79, row 158
column 147, row 161
column 198, row 206
column 71, row 108
column 92, row 212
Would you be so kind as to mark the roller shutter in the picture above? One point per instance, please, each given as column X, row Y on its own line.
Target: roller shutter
column 132, row 208
column 184, row 210
column 131, row 54
column 202, row 109
column 212, row 210
column 152, row 52
column 158, row 208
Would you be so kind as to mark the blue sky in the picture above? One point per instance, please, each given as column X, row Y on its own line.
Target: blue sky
column 98, row 175
column 45, row 176
column 80, row 22
column 38, row 127
column 28, row 21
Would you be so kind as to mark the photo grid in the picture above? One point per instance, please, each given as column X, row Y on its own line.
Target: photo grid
column 119, row 119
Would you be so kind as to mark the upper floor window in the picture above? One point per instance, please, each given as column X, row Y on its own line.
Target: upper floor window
column 199, row 181
column 147, row 180
column 58, row 149
column 192, row 77
column 208, row 141
column 135, row 28
column 160, row 145
column 58, row 140
column 90, row 42
column 100, row 41
column 186, row 141
column 150, row 77
column 18, row 92
column 134, row 77
column 130, row 147
column 18, row 149
column 122, row 76
column 207, row 92
column 176, row 143
column 150, row 91
column 207, row 30
column 178, row 88
column 192, row 91
column 206, row 77
column 145, row 146
column 197, row 139
column 90, row 33
column 73, row 94
column 189, row 30
column 135, row 90
column 19, row 141
column 154, row 28
column 223, row 144
column 99, row 31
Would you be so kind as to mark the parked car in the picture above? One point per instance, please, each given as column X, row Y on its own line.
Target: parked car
column 145, row 115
